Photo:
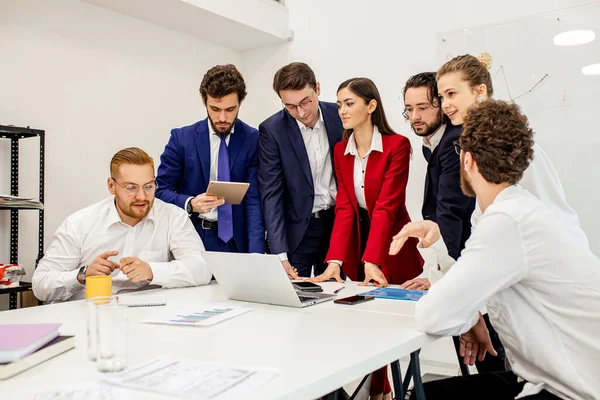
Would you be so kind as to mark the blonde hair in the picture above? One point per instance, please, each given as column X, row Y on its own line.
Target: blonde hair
column 131, row 156
column 473, row 69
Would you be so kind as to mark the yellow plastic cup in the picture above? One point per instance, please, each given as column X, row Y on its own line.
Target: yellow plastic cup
column 99, row 285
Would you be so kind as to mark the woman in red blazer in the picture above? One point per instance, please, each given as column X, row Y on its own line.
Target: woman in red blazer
column 371, row 166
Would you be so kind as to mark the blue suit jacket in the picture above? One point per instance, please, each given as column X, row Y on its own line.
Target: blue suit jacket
column 185, row 169
column 284, row 176
column 444, row 201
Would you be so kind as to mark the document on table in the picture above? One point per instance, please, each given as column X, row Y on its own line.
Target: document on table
column 210, row 314
column 193, row 378
column 78, row 391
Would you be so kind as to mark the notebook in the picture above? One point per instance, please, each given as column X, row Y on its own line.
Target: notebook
column 143, row 301
column 19, row 340
column 57, row 346
column 395, row 294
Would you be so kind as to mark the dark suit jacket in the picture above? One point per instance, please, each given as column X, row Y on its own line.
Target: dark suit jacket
column 444, row 201
column 184, row 172
column 284, row 176
column 386, row 177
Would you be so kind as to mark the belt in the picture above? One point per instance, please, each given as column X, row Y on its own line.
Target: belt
column 321, row 213
column 209, row 225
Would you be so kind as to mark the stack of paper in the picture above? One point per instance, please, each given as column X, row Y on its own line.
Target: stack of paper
column 19, row 202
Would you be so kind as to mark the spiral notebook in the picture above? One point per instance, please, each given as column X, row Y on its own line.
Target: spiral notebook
column 143, row 301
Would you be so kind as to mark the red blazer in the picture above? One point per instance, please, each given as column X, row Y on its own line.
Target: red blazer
column 386, row 177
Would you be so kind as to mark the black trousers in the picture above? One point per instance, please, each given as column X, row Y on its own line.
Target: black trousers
column 314, row 245
column 491, row 363
column 488, row 386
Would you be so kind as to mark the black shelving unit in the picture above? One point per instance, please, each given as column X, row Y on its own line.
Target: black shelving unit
column 14, row 134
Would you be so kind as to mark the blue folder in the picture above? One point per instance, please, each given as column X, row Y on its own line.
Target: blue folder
column 395, row 294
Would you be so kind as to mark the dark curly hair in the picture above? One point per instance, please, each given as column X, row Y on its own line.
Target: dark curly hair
column 429, row 81
column 498, row 136
column 221, row 80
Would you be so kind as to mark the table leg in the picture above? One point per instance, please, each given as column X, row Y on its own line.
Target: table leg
column 397, row 380
column 416, row 373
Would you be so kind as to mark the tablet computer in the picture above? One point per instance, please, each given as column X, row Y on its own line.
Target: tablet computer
column 231, row 192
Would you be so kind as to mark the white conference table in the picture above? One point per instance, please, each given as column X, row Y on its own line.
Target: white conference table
column 318, row 348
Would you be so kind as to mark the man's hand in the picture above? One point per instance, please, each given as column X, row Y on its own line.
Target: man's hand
column 291, row 271
column 102, row 265
column 427, row 231
column 476, row 343
column 136, row 269
column 332, row 271
column 204, row 203
column 373, row 273
column 416, row 284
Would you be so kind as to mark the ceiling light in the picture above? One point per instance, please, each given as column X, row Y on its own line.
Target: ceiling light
column 592, row 69
column 574, row 38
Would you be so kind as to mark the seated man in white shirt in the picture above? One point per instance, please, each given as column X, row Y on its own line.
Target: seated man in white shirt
column 538, row 279
column 135, row 238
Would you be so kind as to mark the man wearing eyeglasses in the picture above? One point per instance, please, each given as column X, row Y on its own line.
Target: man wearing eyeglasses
column 219, row 148
column 296, row 177
column 131, row 236
column 443, row 201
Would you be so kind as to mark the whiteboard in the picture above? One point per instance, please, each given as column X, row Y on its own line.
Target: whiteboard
column 562, row 104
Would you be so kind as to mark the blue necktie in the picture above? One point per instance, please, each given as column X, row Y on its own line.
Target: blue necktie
column 225, row 225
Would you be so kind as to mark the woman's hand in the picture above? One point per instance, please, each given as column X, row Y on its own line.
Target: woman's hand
column 332, row 271
column 373, row 273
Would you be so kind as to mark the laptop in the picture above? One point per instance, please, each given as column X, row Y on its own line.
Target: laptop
column 259, row 278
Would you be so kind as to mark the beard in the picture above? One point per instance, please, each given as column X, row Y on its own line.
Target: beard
column 465, row 185
column 428, row 129
column 222, row 131
column 131, row 211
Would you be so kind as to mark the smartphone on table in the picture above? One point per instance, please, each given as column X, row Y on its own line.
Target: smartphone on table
column 353, row 300
column 307, row 286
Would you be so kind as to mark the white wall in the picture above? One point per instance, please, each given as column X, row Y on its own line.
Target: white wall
column 387, row 41
column 96, row 81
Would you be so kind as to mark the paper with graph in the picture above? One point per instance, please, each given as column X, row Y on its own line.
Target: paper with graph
column 195, row 379
column 210, row 314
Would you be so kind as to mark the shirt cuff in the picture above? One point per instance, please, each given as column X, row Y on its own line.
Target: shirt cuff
column 160, row 273
column 437, row 260
column 73, row 284
column 282, row 257
column 336, row 261
column 185, row 206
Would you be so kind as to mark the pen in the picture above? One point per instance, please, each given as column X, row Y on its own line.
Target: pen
column 336, row 291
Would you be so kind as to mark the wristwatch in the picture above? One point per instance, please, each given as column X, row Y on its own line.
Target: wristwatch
column 81, row 274
column 189, row 208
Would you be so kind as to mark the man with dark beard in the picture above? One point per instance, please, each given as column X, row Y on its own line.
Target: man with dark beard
column 218, row 148
column 443, row 202
column 132, row 237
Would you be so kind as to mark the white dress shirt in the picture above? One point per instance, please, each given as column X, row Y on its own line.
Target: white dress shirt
column 215, row 145
column 541, row 285
column 360, row 164
column 435, row 139
column 542, row 180
column 316, row 142
column 165, row 239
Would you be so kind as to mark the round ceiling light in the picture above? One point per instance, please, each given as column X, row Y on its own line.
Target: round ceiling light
column 574, row 38
column 592, row 69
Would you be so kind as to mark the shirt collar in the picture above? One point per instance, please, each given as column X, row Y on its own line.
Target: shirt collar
column 435, row 139
column 376, row 143
column 318, row 125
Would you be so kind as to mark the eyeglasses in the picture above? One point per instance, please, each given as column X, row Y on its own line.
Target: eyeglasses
column 132, row 189
column 457, row 147
column 304, row 105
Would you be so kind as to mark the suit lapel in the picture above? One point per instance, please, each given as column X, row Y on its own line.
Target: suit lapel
column 295, row 137
column 235, row 143
column 203, row 147
column 333, row 134
column 348, row 178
